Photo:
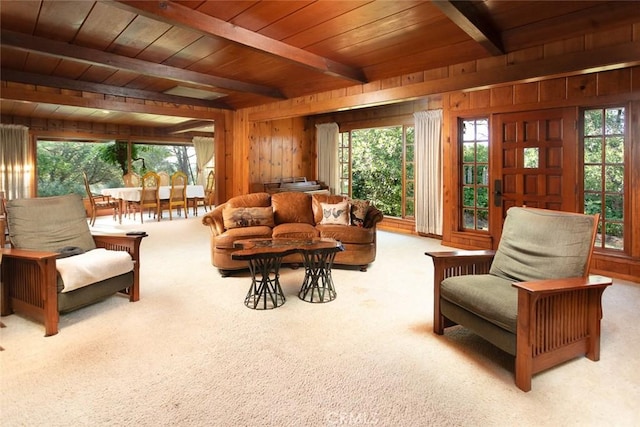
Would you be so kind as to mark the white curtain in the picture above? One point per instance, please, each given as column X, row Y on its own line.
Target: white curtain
column 205, row 150
column 328, row 164
column 428, row 171
column 15, row 161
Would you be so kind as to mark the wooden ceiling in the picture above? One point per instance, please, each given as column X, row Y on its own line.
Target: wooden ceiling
column 247, row 53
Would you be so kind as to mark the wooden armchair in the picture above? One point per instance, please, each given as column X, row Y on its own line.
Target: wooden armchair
column 39, row 230
column 533, row 297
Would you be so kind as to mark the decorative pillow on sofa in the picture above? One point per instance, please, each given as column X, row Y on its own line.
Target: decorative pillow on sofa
column 247, row 217
column 359, row 209
column 335, row 213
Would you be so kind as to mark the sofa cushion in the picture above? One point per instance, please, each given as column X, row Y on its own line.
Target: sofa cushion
column 250, row 200
column 246, row 217
column 49, row 223
column 226, row 239
column 490, row 297
column 528, row 252
column 291, row 207
column 359, row 209
column 294, row 230
column 317, row 199
column 338, row 213
column 347, row 234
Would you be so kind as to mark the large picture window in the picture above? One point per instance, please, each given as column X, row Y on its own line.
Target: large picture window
column 60, row 163
column 603, row 142
column 377, row 164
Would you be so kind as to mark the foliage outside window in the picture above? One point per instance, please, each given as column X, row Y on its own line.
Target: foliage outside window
column 60, row 164
column 604, row 173
column 475, row 174
column 377, row 164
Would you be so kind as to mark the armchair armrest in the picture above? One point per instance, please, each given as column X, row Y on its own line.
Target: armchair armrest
column 454, row 263
column 561, row 285
column 558, row 319
column 130, row 244
column 35, row 291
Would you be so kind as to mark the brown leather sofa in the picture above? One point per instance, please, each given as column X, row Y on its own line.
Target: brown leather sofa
column 295, row 215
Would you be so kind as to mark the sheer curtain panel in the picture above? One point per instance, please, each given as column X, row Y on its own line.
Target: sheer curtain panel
column 428, row 171
column 327, row 146
column 15, row 161
column 205, row 150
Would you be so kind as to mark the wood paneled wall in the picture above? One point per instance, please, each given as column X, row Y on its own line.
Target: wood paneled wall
column 280, row 149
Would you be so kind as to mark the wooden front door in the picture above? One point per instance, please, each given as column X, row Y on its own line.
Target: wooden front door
column 533, row 162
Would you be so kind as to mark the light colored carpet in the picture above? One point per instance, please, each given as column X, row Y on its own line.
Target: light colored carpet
column 190, row 353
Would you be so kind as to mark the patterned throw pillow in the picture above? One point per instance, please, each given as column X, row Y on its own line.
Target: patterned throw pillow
column 359, row 209
column 335, row 214
column 247, row 217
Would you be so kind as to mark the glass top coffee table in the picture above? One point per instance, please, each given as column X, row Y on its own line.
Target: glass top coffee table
column 265, row 256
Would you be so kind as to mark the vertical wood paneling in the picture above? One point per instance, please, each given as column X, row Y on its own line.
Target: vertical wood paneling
column 284, row 149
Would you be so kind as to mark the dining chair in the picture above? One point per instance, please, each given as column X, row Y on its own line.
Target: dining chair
column 177, row 195
column 98, row 202
column 131, row 179
column 165, row 179
column 210, row 190
column 207, row 199
column 149, row 196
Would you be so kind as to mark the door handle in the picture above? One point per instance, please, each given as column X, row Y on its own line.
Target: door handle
column 497, row 193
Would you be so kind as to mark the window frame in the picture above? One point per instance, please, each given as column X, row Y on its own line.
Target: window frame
column 461, row 171
column 347, row 131
column 626, row 193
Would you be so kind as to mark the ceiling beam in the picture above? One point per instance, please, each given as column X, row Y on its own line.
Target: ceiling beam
column 23, row 94
column 188, row 126
column 466, row 16
column 176, row 14
column 64, row 83
column 86, row 55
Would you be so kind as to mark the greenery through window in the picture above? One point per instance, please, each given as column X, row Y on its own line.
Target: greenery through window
column 377, row 164
column 604, row 172
column 60, row 164
column 475, row 174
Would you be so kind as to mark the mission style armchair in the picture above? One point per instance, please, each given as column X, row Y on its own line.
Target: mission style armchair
column 533, row 297
column 41, row 279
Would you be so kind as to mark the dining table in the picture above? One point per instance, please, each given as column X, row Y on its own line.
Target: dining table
column 132, row 194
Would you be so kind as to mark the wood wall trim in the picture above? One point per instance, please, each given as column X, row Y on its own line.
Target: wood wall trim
column 507, row 71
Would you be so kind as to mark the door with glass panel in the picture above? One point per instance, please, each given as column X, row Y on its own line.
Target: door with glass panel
column 533, row 161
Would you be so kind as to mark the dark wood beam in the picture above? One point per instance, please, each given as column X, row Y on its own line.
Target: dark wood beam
column 64, row 83
column 465, row 15
column 23, row 94
column 85, row 55
column 191, row 125
column 176, row 14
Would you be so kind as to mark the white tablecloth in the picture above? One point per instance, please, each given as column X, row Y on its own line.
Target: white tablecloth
column 132, row 194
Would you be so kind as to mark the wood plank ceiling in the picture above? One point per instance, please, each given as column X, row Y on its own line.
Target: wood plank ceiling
column 236, row 54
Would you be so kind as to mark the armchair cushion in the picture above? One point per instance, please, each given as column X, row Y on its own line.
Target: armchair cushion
column 487, row 296
column 49, row 223
column 92, row 266
column 528, row 252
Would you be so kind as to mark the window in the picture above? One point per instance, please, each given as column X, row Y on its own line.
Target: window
column 603, row 142
column 60, row 163
column 377, row 164
column 475, row 174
